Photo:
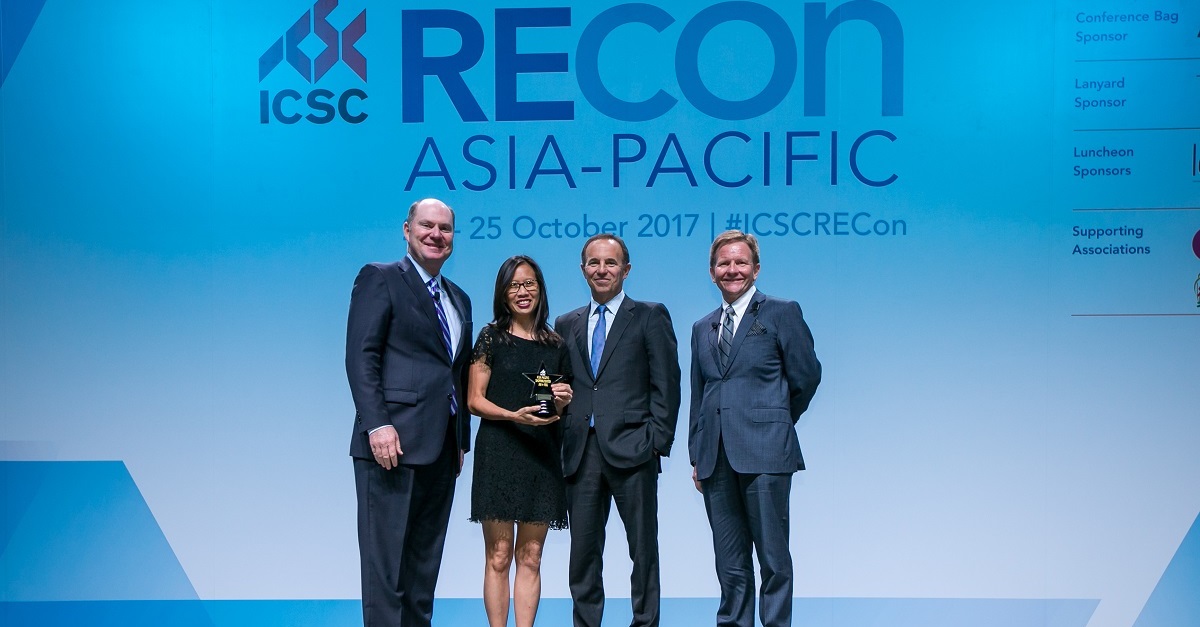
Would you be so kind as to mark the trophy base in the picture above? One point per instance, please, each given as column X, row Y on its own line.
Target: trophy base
column 547, row 410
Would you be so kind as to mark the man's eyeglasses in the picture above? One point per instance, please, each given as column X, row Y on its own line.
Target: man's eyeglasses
column 530, row 285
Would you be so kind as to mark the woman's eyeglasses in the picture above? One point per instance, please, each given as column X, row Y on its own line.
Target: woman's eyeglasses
column 530, row 285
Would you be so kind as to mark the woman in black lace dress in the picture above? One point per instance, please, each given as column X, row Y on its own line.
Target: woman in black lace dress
column 518, row 492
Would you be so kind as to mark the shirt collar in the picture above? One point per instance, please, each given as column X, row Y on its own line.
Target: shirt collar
column 425, row 276
column 612, row 305
column 743, row 302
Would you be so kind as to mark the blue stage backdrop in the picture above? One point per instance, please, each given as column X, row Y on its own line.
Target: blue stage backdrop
column 990, row 213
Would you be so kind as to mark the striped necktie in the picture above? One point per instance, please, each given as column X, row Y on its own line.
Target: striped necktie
column 725, row 344
column 436, row 293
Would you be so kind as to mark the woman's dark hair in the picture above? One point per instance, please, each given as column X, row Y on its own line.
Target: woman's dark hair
column 502, row 316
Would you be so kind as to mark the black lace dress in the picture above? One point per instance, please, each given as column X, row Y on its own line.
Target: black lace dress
column 518, row 468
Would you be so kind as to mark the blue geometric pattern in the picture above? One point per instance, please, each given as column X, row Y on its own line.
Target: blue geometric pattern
column 1175, row 601
column 81, row 531
column 79, row 546
column 16, row 22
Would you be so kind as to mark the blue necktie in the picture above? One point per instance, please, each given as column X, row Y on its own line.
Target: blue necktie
column 597, row 351
column 436, row 293
column 598, row 341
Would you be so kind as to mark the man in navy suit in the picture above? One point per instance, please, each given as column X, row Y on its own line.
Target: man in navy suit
column 619, row 424
column 754, row 372
column 408, row 341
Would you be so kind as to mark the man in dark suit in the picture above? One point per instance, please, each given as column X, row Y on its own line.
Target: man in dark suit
column 620, row 422
column 754, row 372
column 407, row 345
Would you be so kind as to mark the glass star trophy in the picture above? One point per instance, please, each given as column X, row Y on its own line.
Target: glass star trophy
column 541, row 391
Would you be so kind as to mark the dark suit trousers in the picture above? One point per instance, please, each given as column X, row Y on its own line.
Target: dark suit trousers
column 589, row 493
column 402, row 519
column 745, row 511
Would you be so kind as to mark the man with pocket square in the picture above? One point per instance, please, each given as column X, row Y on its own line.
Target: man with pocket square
column 754, row 371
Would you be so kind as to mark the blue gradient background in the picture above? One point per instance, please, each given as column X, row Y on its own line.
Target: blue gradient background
column 173, row 406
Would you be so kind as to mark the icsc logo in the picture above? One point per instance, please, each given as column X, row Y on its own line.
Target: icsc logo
column 313, row 32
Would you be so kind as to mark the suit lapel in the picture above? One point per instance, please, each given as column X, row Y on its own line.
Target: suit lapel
column 623, row 316
column 579, row 333
column 424, row 301
column 713, row 334
column 456, row 296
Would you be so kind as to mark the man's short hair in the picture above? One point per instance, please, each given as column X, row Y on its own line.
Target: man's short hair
column 412, row 209
column 730, row 237
column 599, row 236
